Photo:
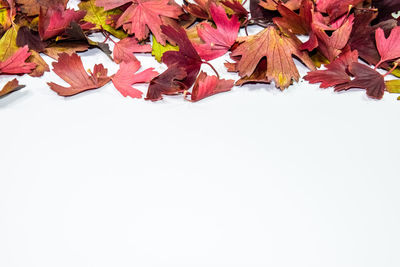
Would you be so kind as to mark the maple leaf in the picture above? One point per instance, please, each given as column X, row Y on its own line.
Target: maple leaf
column 217, row 41
column 330, row 46
column 388, row 48
column 278, row 49
column 32, row 7
column 386, row 8
column 362, row 36
column 16, row 63
column 143, row 15
column 127, row 76
column 295, row 23
column 336, row 72
column 124, row 49
column 10, row 87
column 54, row 21
column 183, row 67
column 336, row 8
column 98, row 16
column 186, row 57
column 365, row 78
column 170, row 82
column 71, row 70
column 206, row 86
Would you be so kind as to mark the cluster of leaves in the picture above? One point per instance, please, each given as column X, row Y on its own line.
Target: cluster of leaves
column 353, row 39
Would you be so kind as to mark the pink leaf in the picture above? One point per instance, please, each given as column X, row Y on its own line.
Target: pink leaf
column 127, row 76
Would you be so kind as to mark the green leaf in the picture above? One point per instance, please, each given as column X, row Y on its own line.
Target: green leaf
column 159, row 49
column 98, row 16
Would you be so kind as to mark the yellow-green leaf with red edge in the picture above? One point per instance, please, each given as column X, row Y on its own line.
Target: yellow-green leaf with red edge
column 98, row 16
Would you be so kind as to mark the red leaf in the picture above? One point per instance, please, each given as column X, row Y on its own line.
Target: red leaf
column 143, row 15
column 365, row 78
column 126, row 77
column 388, row 48
column 296, row 23
column 16, row 63
column 329, row 46
column 167, row 83
column 217, row 41
column 336, row 8
column 206, row 86
column 71, row 70
column 186, row 58
column 124, row 49
column 335, row 72
column 54, row 21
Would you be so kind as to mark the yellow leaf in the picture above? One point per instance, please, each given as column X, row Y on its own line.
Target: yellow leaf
column 8, row 43
column 159, row 49
column 393, row 86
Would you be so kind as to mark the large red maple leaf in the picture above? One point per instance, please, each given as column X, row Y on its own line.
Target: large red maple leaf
column 143, row 15
column 217, row 41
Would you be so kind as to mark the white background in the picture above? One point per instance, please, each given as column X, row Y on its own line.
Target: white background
column 252, row 177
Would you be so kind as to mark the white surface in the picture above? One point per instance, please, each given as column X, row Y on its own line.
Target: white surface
column 253, row 177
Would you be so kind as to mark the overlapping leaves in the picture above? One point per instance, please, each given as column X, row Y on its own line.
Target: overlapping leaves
column 356, row 40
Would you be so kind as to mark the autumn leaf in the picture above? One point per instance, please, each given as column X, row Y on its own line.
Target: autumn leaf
column 30, row 38
column 32, row 7
column 98, row 16
column 16, row 63
column 71, row 70
column 55, row 49
column 158, row 49
column 386, row 8
column 336, row 8
column 206, row 86
column 8, row 43
column 278, row 49
column 217, row 41
column 127, row 76
column 293, row 22
column 388, row 48
column 124, row 49
column 365, row 78
column 393, row 86
column 10, row 87
column 54, row 21
column 143, row 16
column 335, row 73
column 186, row 58
column 332, row 45
column 170, row 82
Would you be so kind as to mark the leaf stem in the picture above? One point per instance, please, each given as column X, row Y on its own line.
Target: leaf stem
column 396, row 64
column 212, row 67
